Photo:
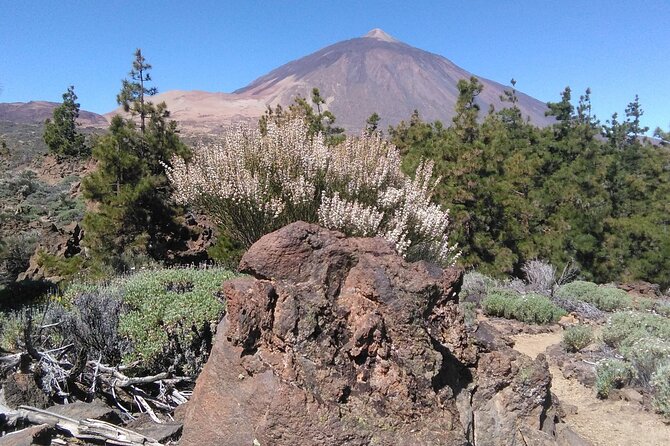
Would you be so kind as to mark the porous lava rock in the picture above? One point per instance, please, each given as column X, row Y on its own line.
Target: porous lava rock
column 339, row 341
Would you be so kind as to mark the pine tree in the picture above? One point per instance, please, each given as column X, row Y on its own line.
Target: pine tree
column 60, row 132
column 662, row 135
column 372, row 123
column 633, row 114
column 563, row 111
column 318, row 121
column 133, row 91
column 467, row 109
column 134, row 213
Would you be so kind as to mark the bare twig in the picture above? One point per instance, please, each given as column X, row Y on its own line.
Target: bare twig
column 141, row 402
column 119, row 405
column 59, row 349
column 87, row 429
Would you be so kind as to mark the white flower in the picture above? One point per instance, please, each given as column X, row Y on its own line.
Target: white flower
column 254, row 183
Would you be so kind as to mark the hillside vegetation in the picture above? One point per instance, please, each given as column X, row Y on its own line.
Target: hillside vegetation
column 107, row 224
column 580, row 191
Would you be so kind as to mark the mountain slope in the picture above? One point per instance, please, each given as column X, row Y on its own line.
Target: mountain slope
column 36, row 112
column 373, row 73
column 377, row 73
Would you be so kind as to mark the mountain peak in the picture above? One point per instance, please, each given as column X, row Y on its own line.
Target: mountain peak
column 379, row 34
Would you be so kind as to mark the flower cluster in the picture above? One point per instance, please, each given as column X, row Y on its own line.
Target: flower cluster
column 254, row 184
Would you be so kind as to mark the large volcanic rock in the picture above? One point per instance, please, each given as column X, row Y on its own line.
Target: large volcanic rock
column 339, row 341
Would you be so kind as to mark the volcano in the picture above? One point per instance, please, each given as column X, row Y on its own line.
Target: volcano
column 371, row 74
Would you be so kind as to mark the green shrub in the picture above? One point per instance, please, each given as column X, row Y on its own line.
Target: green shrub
column 226, row 251
column 577, row 290
column 499, row 302
column 577, row 337
column 612, row 299
column 603, row 297
column 171, row 313
column 645, row 304
column 646, row 355
column 530, row 308
column 662, row 308
column 11, row 331
column 612, row 374
column 63, row 267
column 625, row 328
column 660, row 383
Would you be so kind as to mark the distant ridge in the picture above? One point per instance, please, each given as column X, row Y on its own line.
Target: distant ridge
column 36, row 112
column 356, row 77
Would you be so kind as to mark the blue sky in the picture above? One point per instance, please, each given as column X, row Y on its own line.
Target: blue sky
column 617, row 48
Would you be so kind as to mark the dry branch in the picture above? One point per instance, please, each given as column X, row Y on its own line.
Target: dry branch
column 86, row 429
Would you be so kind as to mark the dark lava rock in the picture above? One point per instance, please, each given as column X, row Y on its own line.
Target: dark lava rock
column 339, row 341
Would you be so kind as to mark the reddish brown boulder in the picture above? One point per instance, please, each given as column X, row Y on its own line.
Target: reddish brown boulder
column 642, row 288
column 22, row 389
column 339, row 341
column 39, row 434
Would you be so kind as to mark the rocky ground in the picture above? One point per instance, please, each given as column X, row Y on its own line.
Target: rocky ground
column 617, row 421
column 335, row 340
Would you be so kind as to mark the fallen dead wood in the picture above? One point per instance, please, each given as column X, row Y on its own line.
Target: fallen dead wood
column 86, row 429
column 153, row 394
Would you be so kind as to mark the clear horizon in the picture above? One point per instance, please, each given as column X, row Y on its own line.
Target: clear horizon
column 617, row 48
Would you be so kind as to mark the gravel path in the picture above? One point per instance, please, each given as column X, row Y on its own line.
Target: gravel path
column 603, row 422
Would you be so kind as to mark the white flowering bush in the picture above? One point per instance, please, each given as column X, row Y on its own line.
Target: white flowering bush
column 253, row 184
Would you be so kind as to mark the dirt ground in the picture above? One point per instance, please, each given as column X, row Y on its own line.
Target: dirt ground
column 603, row 422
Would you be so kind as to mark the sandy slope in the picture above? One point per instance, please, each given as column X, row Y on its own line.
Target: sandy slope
column 605, row 423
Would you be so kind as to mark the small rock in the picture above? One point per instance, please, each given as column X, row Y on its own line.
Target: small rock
column 570, row 409
column 568, row 321
column 642, row 288
column 160, row 432
column 581, row 371
column 33, row 435
column 632, row 395
column 565, row 436
column 489, row 338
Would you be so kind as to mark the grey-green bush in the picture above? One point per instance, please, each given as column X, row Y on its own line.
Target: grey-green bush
column 646, row 355
column 577, row 337
column 476, row 286
column 531, row 308
column 660, row 383
column 625, row 328
column 612, row 374
column 603, row 297
column 469, row 310
column 171, row 316
column 161, row 318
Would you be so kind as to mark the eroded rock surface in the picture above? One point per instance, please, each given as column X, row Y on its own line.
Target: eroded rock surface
column 339, row 341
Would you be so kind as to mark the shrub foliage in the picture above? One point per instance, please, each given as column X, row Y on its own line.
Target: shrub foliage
column 577, row 337
column 605, row 298
column 612, row 374
column 254, row 182
column 531, row 308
